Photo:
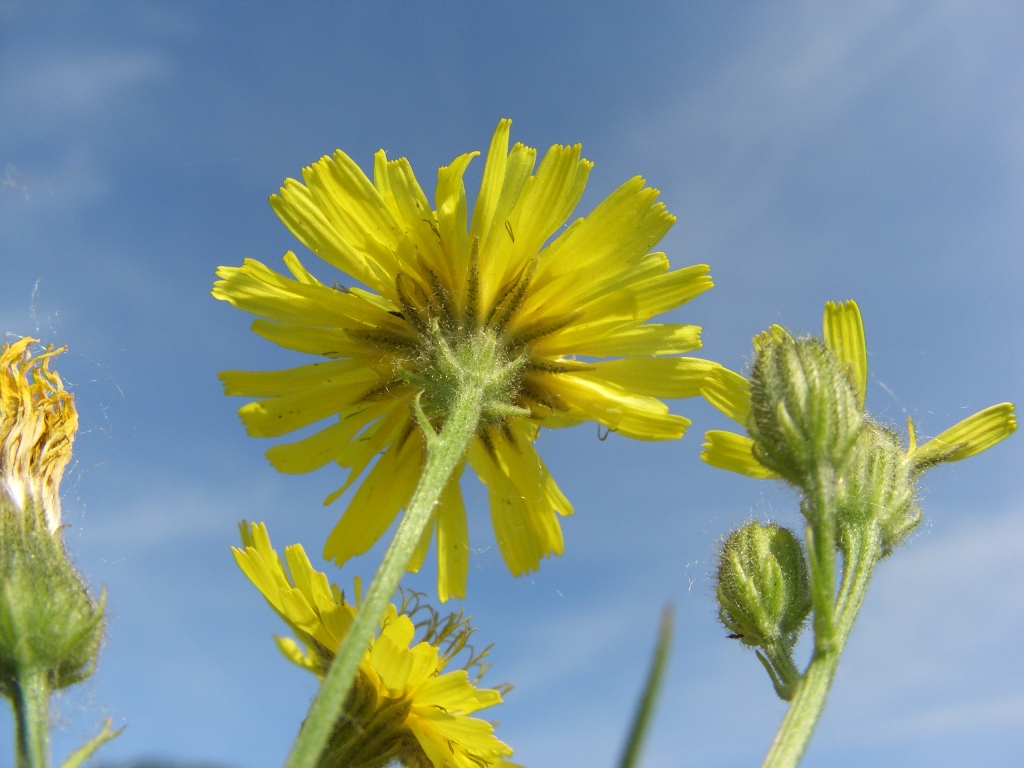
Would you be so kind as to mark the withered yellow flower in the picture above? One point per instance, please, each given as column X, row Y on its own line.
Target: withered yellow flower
column 38, row 422
column 439, row 285
column 404, row 706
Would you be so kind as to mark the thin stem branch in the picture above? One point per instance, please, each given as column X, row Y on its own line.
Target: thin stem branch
column 444, row 454
column 32, row 718
column 807, row 705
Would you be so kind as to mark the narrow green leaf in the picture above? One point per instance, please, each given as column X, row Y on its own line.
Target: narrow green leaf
column 645, row 707
column 85, row 751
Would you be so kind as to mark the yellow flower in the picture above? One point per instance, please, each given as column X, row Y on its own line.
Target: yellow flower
column 38, row 422
column 439, row 279
column 729, row 392
column 404, row 707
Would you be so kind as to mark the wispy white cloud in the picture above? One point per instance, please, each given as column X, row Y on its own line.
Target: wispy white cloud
column 47, row 92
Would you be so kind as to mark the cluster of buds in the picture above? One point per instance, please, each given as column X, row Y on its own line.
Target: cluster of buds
column 803, row 409
column 50, row 625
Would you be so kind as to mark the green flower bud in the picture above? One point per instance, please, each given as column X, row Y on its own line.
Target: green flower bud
column 764, row 592
column 876, row 493
column 49, row 623
column 804, row 411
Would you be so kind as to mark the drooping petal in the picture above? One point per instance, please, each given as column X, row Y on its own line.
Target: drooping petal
column 971, row 436
column 727, row 450
column 324, row 446
column 387, row 487
column 844, row 335
column 525, row 523
column 452, row 541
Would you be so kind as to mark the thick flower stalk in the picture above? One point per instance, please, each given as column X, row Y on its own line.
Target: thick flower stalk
column 507, row 297
column 404, row 707
column 803, row 410
column 50, row 626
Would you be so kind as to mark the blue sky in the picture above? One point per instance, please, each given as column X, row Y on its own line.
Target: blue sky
column 811, row 152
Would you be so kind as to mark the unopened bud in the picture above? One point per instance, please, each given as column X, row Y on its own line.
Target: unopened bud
column 877, row 490
column 764, row 592
column 804, row 410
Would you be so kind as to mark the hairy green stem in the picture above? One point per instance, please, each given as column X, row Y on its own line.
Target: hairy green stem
column 806, row 707
column 31, row 703
column 444, row 454
column 821, row 537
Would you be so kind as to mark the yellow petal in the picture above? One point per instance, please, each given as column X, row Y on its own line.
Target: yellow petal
column 452, row 541
column 633, row 340
column 493, row 180
column 844, row 335
column 355, row 213
column 455, row 694
column 972, row 435
column 392, row 662
column 655, row 376
column 524, row 520
column 636, row 416
column 328, row 444
column 412, row 211
column 287, row 381
column 328, row 342
column 611, row 238
column 424, row 664
column 543, row 204
column 291, row 651
column 311, row 582
column 287, row 413
column 296, row 206
column 422, row 547
column 359, row 453
column 256, row 288
column 387, row 488
column 450, row 199
column 727, row 450
column 728, row 392
column 655, row 295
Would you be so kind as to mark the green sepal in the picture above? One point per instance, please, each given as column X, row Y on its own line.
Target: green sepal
column 49, row 622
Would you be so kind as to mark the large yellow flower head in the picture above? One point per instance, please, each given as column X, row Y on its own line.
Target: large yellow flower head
column 843, row 332
column 442, row 286
column 38, row 422
column 404, row 706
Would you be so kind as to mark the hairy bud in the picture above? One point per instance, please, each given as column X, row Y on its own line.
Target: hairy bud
column 763, row 591
column 804, row 411
column 49, row 623
column 877, row 491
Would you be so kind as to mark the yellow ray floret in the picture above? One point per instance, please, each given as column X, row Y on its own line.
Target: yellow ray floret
column 413, row 709
column 843, row 331
column 434, row 276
